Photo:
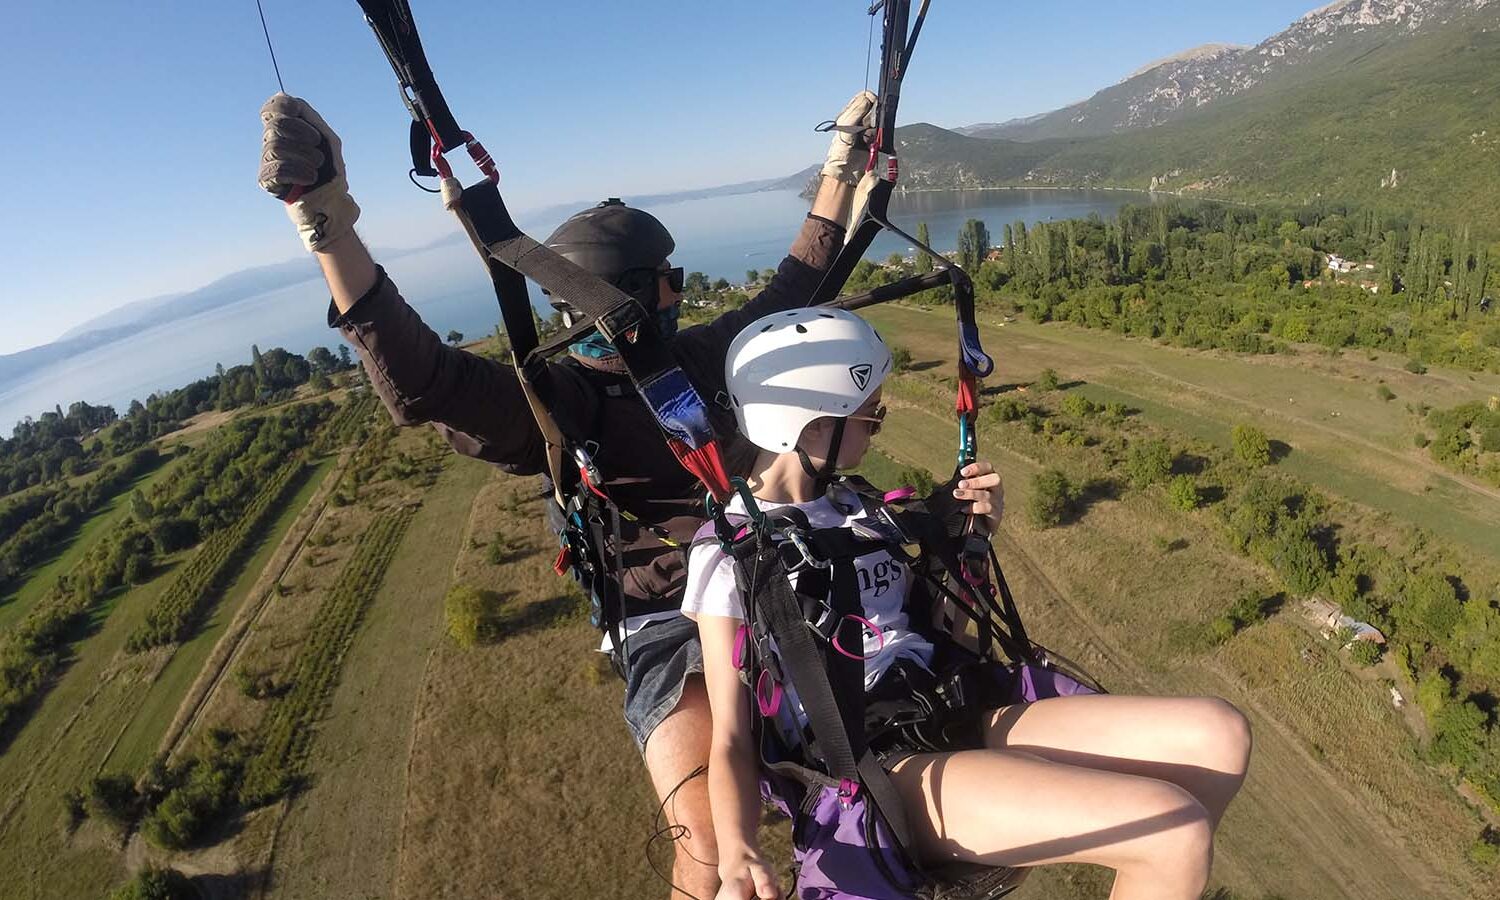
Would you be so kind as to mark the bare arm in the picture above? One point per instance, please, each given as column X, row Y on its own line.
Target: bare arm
column 833, row 200
column 733, row 790
column 349, row 270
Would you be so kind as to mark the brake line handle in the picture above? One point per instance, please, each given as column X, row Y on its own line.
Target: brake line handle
column 326, row 173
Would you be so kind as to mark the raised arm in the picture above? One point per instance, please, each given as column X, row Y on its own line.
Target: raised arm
column 477, row 402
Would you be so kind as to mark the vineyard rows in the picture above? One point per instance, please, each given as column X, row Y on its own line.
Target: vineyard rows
column 286, row 732
column 345, row 427
column 175, row 612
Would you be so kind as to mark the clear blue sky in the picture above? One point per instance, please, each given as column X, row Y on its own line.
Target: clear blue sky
column 131, row 147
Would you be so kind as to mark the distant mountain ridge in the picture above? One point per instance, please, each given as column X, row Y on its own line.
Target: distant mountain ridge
column 1401, row 114
column 1168, row 89
column 139, row 315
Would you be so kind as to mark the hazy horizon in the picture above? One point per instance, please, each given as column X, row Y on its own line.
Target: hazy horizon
column 175, row 128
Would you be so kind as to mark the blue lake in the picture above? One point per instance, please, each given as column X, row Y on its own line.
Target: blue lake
column 720, row 236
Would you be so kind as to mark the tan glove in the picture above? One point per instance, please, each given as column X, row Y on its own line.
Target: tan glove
column 302, row 164
column 848, row 154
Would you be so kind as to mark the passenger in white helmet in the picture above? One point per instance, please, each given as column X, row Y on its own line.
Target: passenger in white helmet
column 1137, row 784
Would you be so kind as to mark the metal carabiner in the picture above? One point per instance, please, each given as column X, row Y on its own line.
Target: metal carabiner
column 800, row 543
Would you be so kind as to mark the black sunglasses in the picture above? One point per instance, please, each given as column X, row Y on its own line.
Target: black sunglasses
column 675, row 278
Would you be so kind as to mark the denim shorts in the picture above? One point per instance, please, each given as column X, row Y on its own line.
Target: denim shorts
column 662, row 656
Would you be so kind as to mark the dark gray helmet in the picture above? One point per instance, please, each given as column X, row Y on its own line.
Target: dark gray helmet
column 612, row 239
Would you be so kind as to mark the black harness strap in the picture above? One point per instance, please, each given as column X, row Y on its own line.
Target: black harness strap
column 838, row 729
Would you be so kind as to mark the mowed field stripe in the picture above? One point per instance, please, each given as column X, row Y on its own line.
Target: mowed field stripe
column 340, row 837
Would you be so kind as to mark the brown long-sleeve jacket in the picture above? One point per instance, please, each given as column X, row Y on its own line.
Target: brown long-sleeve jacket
column 478, row 406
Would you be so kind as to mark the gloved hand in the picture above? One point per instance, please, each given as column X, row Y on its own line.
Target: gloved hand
column 302, row 164
column 847, row 154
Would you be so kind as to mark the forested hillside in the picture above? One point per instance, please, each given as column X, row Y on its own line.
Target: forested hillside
column 1410, row 125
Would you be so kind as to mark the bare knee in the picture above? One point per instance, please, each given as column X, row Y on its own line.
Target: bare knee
column 1178, row 842
column 1223, row 734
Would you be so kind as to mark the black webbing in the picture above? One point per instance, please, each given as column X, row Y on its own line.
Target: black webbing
column 841, row 748
column 397, row 32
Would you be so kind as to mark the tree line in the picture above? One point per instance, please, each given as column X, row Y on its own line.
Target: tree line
column 58, row 444
column 1249, row 280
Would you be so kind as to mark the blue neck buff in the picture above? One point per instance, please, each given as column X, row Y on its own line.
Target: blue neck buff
column 596, row 347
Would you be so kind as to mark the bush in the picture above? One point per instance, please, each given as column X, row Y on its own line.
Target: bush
column 917, row 478
column 255, row 685
column 1051, row 499
column 900, row 358
column 1048, row 380
column 1182, row 492
column 152, row 883
column 494, row 554
column 1385, row 393
column 1415, row 366
column 1078, row 406
column 1365, row 653
column 195, row 795
column 1459, row 734
column 1008, row 409
column 1300, row 561
column 1433, row 691
column 1421, row 440
column 1250, row 445
column 473, row 615
column 112, row 799
column 1148, row 463
column 1222, row 629
column 1486, row 849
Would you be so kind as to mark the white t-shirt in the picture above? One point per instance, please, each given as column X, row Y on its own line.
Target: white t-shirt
column 883, row 586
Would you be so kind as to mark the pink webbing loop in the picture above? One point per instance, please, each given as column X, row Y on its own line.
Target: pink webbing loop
column 741, row 635
column 873, row 630
column 900, row 493
column 767, row 699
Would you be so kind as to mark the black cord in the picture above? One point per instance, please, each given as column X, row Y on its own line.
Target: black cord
column 267, row 31
column 672, row 832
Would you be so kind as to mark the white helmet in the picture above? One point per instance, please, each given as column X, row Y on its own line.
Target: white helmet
column 790, row 368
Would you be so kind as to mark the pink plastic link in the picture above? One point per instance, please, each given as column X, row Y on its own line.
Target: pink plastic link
column 848, row 790
column 873, row 630
column 769, row 705
column 741, row 635
column 901, row 493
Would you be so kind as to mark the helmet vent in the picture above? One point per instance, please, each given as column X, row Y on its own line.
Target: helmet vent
column 801, row 329
column 767, row 328
column 734, row 399
column 825, row 315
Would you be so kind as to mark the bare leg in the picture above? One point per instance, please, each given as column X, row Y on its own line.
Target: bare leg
column 1003, row 808
column 676, row 747
column 1201, row 744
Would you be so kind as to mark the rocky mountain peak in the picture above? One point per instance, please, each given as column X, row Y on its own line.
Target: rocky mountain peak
column 1170, row 88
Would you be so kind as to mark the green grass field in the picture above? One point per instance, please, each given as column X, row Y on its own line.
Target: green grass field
column 41, row 579
column 105, row 700
column 340, row 838
column 1364, row 453
column 139, row 741
column 505, row 770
